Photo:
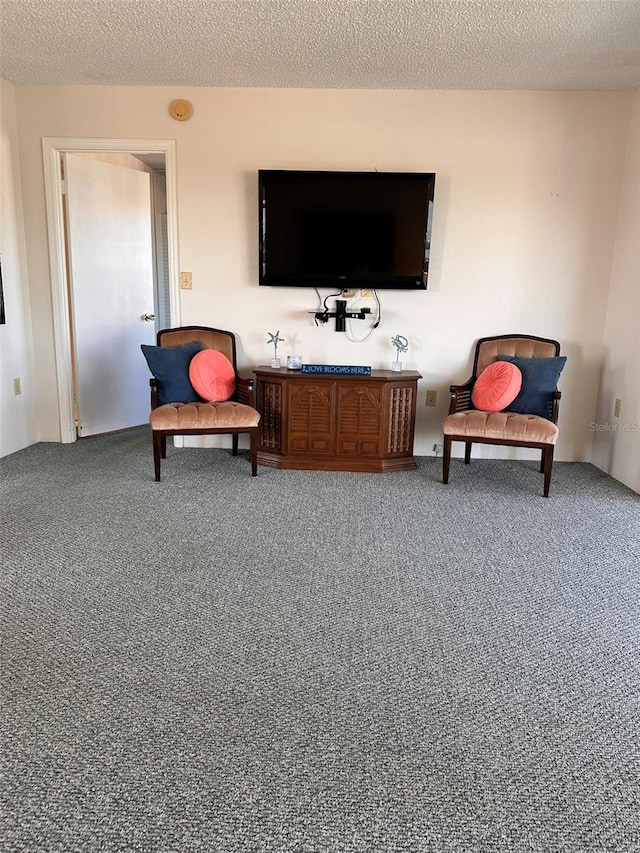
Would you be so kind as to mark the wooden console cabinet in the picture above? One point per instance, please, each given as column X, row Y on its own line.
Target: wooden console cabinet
column 325, row 422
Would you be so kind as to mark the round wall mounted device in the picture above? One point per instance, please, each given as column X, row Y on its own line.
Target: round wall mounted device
column 180, row 110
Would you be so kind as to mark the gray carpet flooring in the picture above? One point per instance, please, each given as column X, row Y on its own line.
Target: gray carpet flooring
column 316, row 662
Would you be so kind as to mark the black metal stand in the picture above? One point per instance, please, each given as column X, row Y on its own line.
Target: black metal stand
column 341, row 314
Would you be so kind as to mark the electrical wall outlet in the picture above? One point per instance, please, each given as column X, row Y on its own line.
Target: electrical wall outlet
column 437, row 449
column 617, row 408
column 186, row 281
column 430, row 397
column 17, row 389
column 366, row 293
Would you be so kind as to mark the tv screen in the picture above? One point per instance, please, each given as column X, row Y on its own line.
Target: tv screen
column 345, row 229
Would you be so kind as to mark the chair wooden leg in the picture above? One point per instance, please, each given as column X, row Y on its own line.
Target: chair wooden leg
column 234, row 444
column 542, row 462
column 548, row 465
column 467, row 452
column 163, row 447
column 253, row 438
column 157, row 452
column 446, row 458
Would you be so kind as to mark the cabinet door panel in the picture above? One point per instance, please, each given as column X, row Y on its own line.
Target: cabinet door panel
column 402, row 414
column 310, row 417
column 270, row 396
column 359, row 419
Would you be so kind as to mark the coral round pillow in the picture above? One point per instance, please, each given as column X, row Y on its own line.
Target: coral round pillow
column 212, row 375
column 496, row 387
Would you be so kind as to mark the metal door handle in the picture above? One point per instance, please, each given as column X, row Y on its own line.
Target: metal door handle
column 148, row 317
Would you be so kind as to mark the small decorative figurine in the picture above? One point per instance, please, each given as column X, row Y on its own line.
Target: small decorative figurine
column 402, row 345
column 275, row 339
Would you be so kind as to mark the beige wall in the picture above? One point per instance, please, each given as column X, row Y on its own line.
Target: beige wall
column 17, row 415
column 617, row 439
column 526, row 208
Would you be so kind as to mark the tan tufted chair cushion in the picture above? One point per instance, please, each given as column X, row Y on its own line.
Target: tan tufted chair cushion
column 499, row 426
column 203, row 416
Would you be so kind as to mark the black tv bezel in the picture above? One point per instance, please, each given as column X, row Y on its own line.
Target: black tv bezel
column 373, row 282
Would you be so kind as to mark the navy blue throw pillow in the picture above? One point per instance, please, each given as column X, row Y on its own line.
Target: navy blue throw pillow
column 170, row 366
column 539, row 380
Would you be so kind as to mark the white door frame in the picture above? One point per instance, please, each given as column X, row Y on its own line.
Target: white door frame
column 52, row 148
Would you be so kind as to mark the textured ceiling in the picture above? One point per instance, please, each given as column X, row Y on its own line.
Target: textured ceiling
column 359, row 44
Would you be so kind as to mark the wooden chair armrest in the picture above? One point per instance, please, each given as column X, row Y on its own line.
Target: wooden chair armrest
column 244, row 390
column 461, row 397
column 153, row 385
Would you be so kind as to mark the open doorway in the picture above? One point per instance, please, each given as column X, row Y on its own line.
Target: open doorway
column 102, row 378
column 115, row 297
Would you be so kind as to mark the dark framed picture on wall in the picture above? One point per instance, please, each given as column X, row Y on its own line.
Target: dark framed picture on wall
column 2, row 316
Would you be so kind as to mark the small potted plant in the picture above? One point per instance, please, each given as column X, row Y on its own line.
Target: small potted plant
column 402, row 345
column 275, row 339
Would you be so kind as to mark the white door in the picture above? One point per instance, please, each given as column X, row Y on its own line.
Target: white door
column 112, row 289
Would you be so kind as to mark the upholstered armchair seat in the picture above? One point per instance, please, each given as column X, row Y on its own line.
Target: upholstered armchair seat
column 500, row 426
column 203, row 416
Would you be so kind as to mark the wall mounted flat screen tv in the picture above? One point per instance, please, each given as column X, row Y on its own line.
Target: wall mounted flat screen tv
column 345, row 229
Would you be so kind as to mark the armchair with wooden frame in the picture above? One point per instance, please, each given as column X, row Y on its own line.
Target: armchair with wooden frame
column 469, row 425
column 233, row 416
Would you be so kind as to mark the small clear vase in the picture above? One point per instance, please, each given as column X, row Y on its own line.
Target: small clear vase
column 275, row 362
column 396, row 366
